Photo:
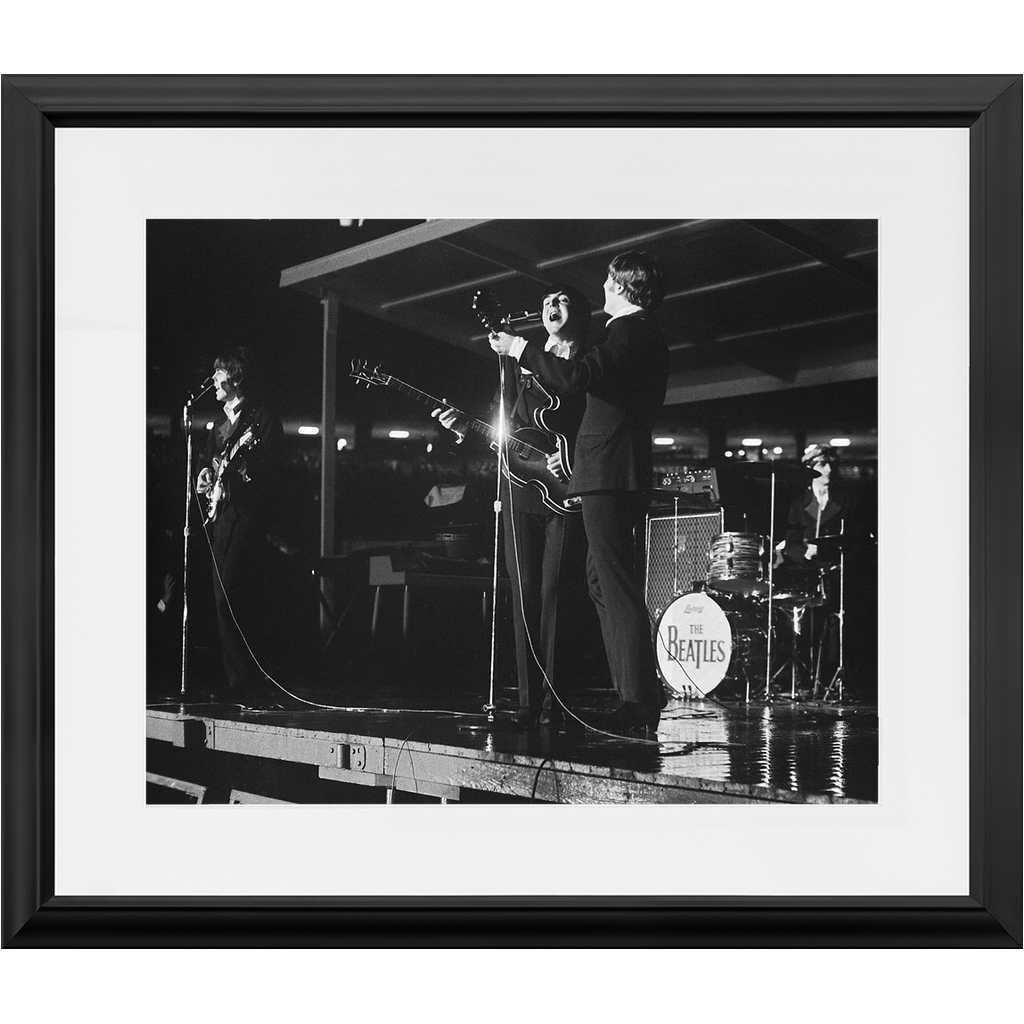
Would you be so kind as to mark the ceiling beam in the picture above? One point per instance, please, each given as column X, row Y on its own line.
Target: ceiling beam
column 387, row 245
column 823, row 253
column 719, row 382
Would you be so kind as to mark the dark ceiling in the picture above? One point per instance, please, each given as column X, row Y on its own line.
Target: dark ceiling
column 772, row 324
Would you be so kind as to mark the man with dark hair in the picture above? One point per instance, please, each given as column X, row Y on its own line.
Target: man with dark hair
column 238, row 480
column 624, row 377
column 823, row 519
column 545, row 550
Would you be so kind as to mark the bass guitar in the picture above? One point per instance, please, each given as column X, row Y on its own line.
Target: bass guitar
column 219, row 490
column 528, row 448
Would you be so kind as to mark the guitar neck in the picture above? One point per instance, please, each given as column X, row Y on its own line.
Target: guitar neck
column 479, row 426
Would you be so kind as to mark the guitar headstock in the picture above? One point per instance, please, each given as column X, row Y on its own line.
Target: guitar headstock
column 489, row 312
column 362, row 371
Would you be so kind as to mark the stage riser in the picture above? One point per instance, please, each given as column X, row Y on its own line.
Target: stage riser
column 288, row 763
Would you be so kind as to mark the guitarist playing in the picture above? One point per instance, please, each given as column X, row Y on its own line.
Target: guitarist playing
column 242, row 452
column 545, row 552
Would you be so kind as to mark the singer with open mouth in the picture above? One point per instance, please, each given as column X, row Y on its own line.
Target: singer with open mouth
column 623, row 378
column 544, row 539
column 239, row 485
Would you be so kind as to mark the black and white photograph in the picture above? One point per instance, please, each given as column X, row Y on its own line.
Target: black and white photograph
column 512, row 510
column 390, row 456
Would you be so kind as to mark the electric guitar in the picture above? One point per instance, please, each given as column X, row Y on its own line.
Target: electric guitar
column 219, row 491
column 528, row 447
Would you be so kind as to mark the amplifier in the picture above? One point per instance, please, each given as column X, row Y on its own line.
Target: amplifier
column 678, row 555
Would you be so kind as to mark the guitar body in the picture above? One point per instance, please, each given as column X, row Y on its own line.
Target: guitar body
column 220, row 491
column 527, row 467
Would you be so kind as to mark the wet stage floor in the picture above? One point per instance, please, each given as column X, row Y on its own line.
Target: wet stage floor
column 783, row 750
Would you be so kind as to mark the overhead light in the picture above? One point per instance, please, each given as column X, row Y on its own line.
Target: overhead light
column 752, row 442
column 664, row 440
column 728, row 455
column 741, row 452
column 398, row 435
column 430, row 447
column 209, row 426
column 342, row 444
column 309, row 430
column 777, row 451
column 840, row 442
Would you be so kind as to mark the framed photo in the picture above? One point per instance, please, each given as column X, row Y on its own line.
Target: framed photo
column 180, row 116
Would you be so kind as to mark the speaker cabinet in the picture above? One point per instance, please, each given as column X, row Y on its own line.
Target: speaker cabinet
column 678, row 555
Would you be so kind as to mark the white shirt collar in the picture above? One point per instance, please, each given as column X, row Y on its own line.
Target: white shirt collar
column 562, row 349
column 231, row 409
column 628, row 311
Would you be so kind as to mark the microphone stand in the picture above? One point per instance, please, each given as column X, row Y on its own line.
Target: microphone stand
column 186, row 419
column 490, row 707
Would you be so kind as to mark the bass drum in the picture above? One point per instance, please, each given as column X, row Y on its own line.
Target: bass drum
column 706, row 645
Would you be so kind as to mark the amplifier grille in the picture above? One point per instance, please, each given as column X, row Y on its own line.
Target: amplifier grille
column 678, row 554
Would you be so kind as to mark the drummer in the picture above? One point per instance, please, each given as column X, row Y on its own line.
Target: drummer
column 828, row 511
column 819, row 511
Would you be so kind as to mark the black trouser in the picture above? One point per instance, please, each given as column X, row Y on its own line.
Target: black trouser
column 614, row 577
column 240, row 592
column 544, row 555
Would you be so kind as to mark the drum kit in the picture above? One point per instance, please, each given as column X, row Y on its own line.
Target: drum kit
column 739, row 633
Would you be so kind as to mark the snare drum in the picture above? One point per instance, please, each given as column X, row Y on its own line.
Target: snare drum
column 799, row 587
column 702, row 645
column 737, row 564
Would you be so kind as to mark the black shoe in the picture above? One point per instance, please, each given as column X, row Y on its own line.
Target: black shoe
column 635, row 719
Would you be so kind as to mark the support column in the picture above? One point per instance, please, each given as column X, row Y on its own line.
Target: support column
column 328, row 447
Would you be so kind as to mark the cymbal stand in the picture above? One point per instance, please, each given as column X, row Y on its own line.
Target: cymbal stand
column 771, row 589
column 834, row 690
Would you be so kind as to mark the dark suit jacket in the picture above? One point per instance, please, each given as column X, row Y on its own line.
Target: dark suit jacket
column 252, row 477
column 624, row 377
column 843, row 513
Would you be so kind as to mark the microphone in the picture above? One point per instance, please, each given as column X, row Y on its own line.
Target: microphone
column 202, row 389
column 522, row 318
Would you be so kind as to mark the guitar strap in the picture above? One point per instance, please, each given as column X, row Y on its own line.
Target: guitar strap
column 244, row 421
column 521, row 389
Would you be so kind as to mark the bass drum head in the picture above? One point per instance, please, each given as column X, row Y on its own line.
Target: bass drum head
column 693, row 645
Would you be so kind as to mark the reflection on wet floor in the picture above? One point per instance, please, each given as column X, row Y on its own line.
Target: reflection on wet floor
column 810, row 748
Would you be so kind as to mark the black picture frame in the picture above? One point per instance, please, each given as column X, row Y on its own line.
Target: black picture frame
column 989, row 105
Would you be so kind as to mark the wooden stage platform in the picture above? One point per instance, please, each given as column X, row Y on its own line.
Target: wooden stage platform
column 443, row 748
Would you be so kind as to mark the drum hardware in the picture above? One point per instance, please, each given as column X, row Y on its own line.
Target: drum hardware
column 834, row 690
column 795, row 662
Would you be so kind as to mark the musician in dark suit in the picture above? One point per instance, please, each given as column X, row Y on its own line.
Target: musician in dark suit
column 545, row 550
column 623, row 377
column 828, row 509
column 239, row 471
